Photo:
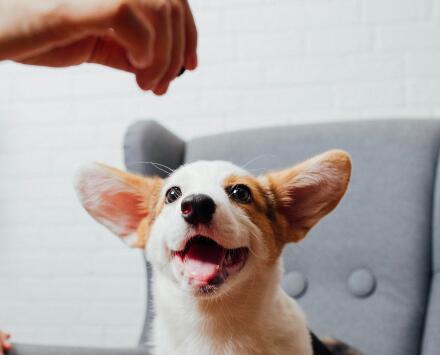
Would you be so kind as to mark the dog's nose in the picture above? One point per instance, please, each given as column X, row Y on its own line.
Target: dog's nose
column 198, row 209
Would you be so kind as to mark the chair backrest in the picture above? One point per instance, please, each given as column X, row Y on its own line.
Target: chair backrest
column 368, row 273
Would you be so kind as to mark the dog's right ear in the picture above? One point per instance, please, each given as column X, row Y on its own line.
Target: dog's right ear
column 308, row 191
column 118, row 200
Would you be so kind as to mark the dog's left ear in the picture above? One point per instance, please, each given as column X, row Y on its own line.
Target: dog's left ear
column 308, row 191
column 121, row 201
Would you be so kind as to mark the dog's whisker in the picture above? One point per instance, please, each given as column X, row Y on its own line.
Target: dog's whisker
column 255, row 254
column 165, row 166
column 253, row 160
column 250, row 247
column 257, row 169
column 158, row 166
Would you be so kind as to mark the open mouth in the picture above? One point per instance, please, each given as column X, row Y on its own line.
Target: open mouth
column 206, row 264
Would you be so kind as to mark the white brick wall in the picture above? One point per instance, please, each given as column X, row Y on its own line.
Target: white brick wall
column 63, row 278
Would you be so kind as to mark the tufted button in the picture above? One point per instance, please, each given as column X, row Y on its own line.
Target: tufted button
column 361, row 283
column 295, row 284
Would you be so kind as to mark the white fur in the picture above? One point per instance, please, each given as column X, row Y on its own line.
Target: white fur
column 248, row 322
column 251, row 314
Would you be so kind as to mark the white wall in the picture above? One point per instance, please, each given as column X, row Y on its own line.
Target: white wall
column 63, row 278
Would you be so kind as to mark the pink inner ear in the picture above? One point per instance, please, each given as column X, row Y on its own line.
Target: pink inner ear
column 122, row 211
column 306, row 204
column 114, row 198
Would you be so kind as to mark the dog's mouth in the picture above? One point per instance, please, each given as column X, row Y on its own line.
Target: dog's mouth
column 206, row 264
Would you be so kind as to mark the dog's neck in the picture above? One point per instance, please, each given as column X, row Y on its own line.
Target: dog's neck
column 248, row 319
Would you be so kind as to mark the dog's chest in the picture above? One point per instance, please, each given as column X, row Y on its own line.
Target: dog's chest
column 190, row 343
column 192, row 338
column 272, row 325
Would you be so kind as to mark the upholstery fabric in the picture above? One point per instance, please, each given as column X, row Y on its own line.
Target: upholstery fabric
column 364, row 273
column 26, row 349
column 147, row 142
column 431, row 340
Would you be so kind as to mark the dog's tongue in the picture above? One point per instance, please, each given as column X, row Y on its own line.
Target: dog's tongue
column 202, row 261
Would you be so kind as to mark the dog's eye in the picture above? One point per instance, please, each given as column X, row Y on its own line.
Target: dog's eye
column 173, row 194
column 240, row 193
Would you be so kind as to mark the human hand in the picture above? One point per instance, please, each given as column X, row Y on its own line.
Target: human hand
column 154, row 39
column 5, row 345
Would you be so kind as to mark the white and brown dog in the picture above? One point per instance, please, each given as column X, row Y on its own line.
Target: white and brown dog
column 214, row 235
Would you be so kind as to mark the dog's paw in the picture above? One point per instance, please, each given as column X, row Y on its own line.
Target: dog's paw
column 337, row 347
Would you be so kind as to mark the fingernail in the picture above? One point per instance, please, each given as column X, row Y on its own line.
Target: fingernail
column 161, row 89
column 147, row 87
column 191, row 63
column 144, row 85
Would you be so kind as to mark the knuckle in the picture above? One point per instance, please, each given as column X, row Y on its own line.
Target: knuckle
column 177, row 9
column 124, row 13
column 162, row 7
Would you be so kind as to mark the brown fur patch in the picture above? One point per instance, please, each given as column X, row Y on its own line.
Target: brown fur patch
column 309, row 191
column 261, row 211
column 287, row 204
column 152, row 205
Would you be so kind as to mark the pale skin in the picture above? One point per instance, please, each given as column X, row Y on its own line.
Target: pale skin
column 4, row 342
column 152, row 39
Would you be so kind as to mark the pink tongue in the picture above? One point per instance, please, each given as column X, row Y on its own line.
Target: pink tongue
column 203, row 260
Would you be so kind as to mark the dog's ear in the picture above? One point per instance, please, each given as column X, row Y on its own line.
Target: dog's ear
column 118, row 200
column 308, row 191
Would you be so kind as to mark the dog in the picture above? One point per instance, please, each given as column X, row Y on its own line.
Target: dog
column 214, row 235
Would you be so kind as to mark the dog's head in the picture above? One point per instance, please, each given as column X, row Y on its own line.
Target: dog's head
column 211, row 224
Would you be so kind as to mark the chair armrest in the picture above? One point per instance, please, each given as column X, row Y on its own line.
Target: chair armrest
column 29, row 349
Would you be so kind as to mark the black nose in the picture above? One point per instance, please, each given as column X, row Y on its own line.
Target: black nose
column 198, row 209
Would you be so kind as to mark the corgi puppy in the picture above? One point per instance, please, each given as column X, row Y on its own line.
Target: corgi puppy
column 214, row 235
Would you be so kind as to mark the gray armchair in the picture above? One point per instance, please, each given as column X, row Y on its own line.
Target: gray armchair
column 27, row 349
column 367, row 274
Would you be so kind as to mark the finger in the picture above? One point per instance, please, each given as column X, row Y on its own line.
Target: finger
column 2, row 343
column 134, row 34
column 110, row 53
column 191, row 38
column 160, row 19
column 177, row 53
